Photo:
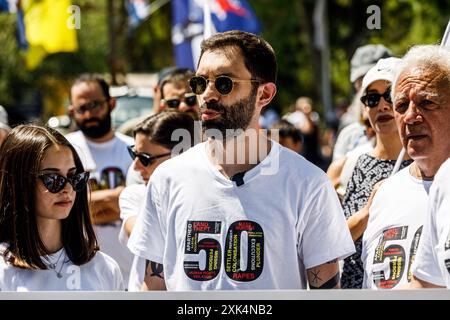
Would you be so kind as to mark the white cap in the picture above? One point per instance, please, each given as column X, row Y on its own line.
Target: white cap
column 383, row 70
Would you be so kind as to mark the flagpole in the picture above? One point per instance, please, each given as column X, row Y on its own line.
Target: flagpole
column 207, row 22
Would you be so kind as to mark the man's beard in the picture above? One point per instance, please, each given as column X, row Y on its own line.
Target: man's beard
column 97, row 131
column 235, row 118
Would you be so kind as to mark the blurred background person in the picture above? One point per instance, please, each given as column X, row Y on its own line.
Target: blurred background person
column 104, row 154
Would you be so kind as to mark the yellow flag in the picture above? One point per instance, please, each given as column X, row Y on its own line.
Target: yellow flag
column 47, row 29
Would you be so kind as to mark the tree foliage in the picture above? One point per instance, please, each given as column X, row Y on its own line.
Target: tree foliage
column 287, row 25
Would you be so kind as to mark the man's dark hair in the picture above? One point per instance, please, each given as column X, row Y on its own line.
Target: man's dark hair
column 259, row 56
column 179, row 77
column 287, row 129
column 90, row 77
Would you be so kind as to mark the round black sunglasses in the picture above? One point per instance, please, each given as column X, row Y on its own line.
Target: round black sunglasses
column 224, row 84
column 190, row 99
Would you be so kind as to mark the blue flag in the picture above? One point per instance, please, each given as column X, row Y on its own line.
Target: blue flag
column 138, row 11
column 4, row 6
column 187, row 25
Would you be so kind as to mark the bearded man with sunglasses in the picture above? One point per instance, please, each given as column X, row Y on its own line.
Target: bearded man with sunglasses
column 239, row 211
column 176, row 93
column 104, row 154
column 421, row 102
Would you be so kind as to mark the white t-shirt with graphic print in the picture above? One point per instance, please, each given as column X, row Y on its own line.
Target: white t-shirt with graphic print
column 394, row 229
column 100, row 274
column 211, row 234
column 108, row 163
column 432, row 262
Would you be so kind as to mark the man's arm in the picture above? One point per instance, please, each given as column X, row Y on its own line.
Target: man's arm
column 154, row 277
column 417, row 283
column 104, row 205
column 324, row 276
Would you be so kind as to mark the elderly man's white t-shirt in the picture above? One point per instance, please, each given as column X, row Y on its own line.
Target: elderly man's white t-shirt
column 211, row 234
column 394, row 229
column 432, row 262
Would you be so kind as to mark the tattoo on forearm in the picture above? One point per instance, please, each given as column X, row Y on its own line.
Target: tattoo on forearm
column 330, row 284
column 315, row 274
column 156, row 269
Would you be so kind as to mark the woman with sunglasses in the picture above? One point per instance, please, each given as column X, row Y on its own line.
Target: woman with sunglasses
column 371, row 167
column 153, row 146
column 47, row 239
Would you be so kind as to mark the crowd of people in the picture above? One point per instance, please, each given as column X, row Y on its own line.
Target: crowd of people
column 196, row 196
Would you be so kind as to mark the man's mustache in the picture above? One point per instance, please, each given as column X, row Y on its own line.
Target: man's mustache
column 213, row 106
column 97, row 120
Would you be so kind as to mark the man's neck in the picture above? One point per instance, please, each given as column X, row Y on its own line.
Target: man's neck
column 422, row 172
column 238, row 154
column 107, row 137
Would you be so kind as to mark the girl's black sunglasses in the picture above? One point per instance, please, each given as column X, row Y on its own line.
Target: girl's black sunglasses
column 55, row 182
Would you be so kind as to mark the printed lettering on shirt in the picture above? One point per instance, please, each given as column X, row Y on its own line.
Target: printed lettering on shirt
column 242, row 236
column 396, row 254
column 110, row 178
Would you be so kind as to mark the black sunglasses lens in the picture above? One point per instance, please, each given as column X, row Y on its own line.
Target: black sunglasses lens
column 191, row 100
column 387, row 96
column 173, row 103
column 144, row 160
column 224, row 85
column 372, row 100
column 79, row 181
column 54, row 182
column 198, row 84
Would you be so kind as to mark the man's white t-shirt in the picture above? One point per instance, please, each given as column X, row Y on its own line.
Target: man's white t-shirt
column 390, row 242
column 100, row 274
column 108, row 163
column 211, row 234
column 432, row 262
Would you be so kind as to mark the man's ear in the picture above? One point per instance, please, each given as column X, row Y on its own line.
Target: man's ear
column 71, row 111
column 112, row 104
column 267, row 92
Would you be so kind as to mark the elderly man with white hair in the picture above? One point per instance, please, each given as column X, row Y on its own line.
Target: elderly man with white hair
column 421, row 99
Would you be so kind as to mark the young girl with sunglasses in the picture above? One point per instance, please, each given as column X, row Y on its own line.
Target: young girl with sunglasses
column 47, row 239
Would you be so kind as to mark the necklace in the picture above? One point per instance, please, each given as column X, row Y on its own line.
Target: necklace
column 54, row 266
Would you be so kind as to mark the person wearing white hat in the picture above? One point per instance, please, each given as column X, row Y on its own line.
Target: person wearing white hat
column 373, row 166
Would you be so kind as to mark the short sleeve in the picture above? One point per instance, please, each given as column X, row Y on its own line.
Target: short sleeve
column 426, row 264
column 325, row 236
